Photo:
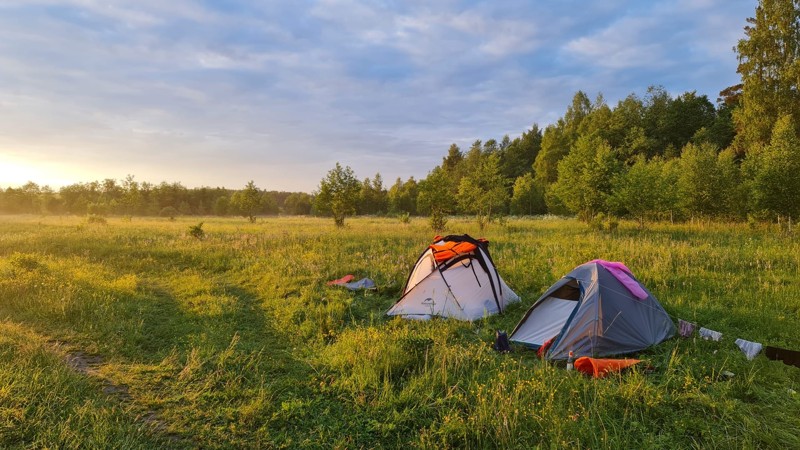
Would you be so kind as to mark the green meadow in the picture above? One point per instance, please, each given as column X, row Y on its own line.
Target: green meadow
column 133, row 333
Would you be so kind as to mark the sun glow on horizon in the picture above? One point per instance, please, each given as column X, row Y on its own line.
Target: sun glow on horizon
column 15, row 173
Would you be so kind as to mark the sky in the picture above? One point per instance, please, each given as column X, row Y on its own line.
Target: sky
column 217, row 93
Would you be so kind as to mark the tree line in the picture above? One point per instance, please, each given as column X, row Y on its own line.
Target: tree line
column 648, row 157
column 133, row 198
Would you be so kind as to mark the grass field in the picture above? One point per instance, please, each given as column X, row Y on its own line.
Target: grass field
column 134, row 334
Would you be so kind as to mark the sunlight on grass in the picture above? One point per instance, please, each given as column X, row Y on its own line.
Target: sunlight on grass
column 235, row 340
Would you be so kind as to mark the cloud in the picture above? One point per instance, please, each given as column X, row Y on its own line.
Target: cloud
column 626, row 43
column 218, row 93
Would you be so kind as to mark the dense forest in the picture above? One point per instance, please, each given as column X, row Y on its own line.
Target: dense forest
column 651, row 156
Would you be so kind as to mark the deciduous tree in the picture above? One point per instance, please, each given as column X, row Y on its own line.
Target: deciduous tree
column 248, row 202
column 338, row 193
column 584, row 177
column 774, row 173
column 769, row 63
column 528, row 197
column 483, row 191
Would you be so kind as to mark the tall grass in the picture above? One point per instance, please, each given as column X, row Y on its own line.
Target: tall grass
column 235, row 340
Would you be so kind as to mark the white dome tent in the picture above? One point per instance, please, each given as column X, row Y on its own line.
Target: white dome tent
column 454, row 277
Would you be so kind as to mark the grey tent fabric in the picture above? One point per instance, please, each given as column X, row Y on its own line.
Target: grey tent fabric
column 603, row 318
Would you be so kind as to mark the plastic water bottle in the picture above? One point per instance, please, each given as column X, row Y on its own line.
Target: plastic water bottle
column 570, row 361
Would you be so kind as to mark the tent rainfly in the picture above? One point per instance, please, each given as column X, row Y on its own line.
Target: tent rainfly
column 598, row 309
column 454, row 277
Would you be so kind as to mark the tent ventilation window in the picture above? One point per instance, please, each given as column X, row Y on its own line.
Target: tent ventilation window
column 569, row 291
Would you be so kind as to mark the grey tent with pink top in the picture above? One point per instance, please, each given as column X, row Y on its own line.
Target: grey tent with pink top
column 598, row 309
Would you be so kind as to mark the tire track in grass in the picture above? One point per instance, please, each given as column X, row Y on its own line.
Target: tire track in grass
column 89, row 365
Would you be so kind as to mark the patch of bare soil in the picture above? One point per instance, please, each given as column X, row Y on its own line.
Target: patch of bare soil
column 89, row 365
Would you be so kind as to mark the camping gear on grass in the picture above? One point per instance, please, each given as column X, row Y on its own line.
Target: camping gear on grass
column 599, row 368
column 750, row 349
column 454, row 277
column 591, row 313
column 364, row 283
column 707, row 334
column 340, row 281
column 501, row 343
column 789, row 357
column 685, row 329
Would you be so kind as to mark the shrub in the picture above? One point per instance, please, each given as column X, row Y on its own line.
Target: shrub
column 502, row 221
column 94, row 218
column 196, row 231
column 25, row 261
column 612, row 224
column 598, row 222
column 437, row 220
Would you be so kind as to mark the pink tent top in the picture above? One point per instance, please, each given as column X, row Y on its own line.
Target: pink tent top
column 624, row 275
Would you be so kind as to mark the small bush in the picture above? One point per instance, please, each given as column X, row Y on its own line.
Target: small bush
column 94, row 218
column 25, row 261
column 598, row 222
column 404, row 217
column 612, row 224
column 438, row 221
column 752, row 222
column 196, row 231
column 502, row 221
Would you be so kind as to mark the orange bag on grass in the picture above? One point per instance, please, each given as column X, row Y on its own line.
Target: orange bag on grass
column 599, row 368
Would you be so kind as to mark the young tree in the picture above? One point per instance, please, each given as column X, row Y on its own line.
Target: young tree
column 338, row 193
column 706, row 182
column 528, row 197
column 372, row 197
column 248, row 202
column 222, row 206
column 642, row 190
column 685, row 115
column 483, row 191
column 132, row 197
column 269, row 204
column 453, row 158
column 584, row 177
column 626, row 116
column 555, row 145
column 402, row 197
column 435, row 197
column 774, row 173
column 517, row 157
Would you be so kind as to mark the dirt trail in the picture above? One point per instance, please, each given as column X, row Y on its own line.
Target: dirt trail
column 89, row 365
